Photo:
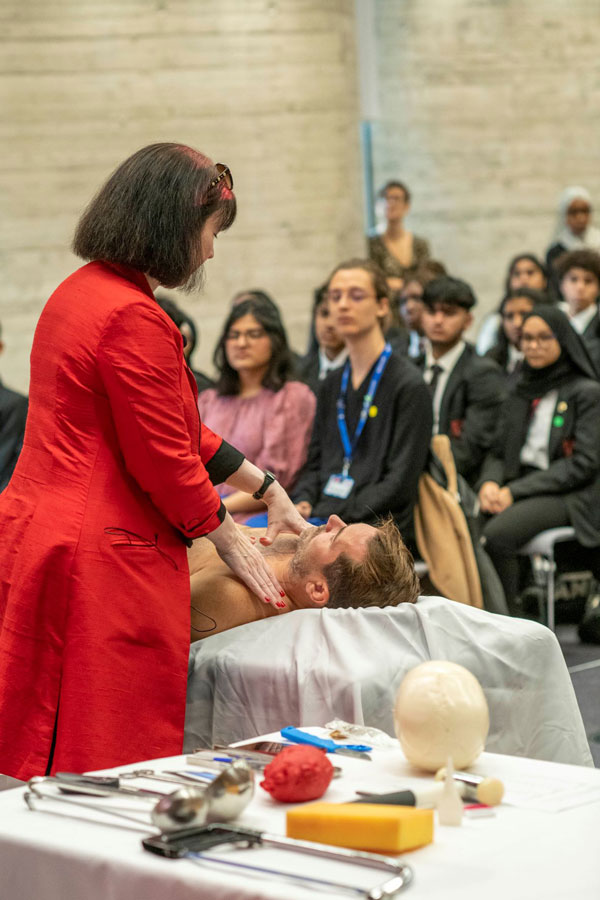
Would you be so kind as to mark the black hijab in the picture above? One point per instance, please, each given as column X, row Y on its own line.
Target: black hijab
column 573, row 362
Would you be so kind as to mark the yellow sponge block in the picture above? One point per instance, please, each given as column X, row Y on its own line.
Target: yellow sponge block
column 362, row 826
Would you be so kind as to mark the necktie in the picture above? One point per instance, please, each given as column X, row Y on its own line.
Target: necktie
column 436, row 371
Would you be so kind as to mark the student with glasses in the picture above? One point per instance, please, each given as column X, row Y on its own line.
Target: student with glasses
column 506, row 351
column 373, row 422
column 544, row 468
column 115, row 478
column 256, row 404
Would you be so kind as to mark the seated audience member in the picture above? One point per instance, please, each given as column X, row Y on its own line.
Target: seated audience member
column 256, row 405
column 261, row 297
column 544, row 469
column 507, row 349
column 410, row 303
column 579, row 277
column 466, row 391
column 524, row 271
column 335, row 565
column 13, row 414
column 373, row 422
column 392, row 324
column 188, row 330
column 327, row 351
column 397, row 249
column 574, row 230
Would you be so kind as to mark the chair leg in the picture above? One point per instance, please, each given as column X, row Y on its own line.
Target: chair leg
column 550, row 601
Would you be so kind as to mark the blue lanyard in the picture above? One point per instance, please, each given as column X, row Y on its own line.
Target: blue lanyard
column 350, row 446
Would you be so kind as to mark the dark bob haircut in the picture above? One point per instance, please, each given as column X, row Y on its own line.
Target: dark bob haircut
column 395, row 184
column 378, row 279
column 150, row 213
column 532, row 258
column 449, row 290
column 280, row 368
column 585, row 259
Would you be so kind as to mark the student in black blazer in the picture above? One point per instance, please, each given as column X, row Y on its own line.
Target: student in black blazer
column 506, row 351
column 466, row 390
column 579, row 273
column 544, row 470
column 327, row 350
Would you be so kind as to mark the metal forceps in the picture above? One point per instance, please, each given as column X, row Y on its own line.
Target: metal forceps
column 172, row 778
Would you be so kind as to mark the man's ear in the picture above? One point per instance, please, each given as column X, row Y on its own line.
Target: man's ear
column 317, row 591
column 384, row 306
column 468, row 320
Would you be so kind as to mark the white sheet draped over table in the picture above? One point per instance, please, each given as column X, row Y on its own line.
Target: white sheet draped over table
column 311, row 666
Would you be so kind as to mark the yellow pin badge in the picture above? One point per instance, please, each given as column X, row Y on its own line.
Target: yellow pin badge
column 373, row 411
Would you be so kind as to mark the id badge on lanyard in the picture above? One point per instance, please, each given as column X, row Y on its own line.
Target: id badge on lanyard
column 340, row 485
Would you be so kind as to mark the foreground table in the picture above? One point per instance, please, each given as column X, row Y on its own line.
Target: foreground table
column 524, row 851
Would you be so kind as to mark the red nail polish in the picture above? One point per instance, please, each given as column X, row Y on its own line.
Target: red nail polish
column 282, row 593
column 267, row 600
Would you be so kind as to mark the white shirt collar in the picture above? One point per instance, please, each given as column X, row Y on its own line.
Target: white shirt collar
column 515, row 356
column 448, row 360
column 327, row 365
column 581, row 320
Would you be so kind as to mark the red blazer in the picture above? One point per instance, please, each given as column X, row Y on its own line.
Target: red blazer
column 94, row 582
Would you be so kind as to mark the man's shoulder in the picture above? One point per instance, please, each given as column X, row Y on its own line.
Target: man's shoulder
column 10, row 398
column 404, row 371
column 474, row 364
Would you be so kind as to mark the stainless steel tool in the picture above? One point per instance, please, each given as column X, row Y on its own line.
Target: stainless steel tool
column 170, row 777
column 189, row 806
column 192, row 844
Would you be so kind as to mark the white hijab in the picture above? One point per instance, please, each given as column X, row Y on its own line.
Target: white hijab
column 563, row 234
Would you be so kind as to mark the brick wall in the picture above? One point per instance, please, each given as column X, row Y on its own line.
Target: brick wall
column 268, row 87
column 488, row 109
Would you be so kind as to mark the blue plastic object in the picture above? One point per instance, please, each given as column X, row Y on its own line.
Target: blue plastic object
column 303, row 737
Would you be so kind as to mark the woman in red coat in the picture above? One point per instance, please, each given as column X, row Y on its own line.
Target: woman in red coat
column 115, row 478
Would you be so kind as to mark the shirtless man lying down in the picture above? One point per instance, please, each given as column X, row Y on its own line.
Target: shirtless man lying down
column 333, row 565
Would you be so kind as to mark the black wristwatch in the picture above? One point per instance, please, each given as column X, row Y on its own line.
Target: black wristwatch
column 269, row 479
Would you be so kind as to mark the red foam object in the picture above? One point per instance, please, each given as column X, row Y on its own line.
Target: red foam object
column 297, row 774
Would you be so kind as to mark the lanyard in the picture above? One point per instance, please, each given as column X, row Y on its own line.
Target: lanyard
column 350, row 446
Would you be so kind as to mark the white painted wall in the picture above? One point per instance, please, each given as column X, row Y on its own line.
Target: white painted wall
column 268, row 87
column 488, row 109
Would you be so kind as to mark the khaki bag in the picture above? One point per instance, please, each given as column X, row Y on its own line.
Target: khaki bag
column 442, row 533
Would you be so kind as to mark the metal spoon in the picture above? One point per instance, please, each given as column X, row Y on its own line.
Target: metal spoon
column 223, row 800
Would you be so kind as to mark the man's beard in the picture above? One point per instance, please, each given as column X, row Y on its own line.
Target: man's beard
column 300, row 563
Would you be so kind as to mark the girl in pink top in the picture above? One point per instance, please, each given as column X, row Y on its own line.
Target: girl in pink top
column 255, row 405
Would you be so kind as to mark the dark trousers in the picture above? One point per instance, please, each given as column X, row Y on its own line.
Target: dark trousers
column 505, row 533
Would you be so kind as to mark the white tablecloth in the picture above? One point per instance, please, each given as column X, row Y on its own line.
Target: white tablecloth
column 520, row 853
column 311, row 666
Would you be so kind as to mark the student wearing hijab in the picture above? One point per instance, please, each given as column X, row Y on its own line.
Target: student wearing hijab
column 544, row 469
column 574, row 230
column 515, row 306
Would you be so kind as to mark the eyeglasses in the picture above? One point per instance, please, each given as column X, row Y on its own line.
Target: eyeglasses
column 541, row 339
column 253, row 334
column 224, row 173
